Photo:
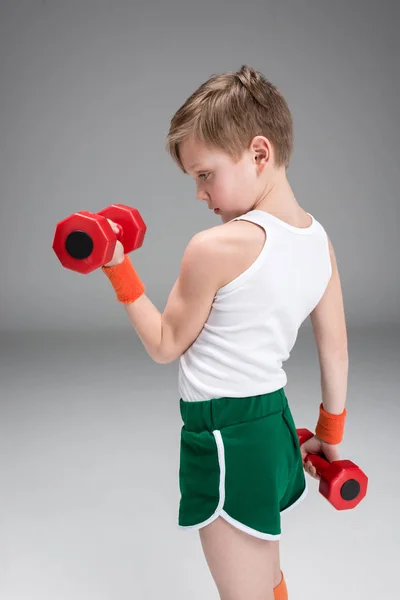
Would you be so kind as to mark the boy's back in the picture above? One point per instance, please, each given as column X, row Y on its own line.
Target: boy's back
column 274, row 275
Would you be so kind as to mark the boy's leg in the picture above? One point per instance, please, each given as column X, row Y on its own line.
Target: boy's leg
column 241, row 565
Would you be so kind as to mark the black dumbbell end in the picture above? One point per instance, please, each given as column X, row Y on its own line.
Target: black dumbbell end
column 79, row 245
column 350, row 490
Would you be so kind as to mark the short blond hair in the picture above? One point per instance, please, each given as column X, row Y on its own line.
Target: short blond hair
column 228, row 110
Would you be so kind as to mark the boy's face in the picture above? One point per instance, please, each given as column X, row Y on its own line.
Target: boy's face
column 221, row 183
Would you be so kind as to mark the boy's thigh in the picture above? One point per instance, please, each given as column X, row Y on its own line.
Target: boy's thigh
column 242, row 566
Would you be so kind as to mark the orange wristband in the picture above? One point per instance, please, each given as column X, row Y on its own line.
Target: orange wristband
column 330, row 428
column 125, row 281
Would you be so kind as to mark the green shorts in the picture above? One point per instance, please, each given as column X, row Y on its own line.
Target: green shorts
column 239, row 459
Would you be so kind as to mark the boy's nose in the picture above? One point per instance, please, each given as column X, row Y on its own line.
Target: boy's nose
column 201, row 195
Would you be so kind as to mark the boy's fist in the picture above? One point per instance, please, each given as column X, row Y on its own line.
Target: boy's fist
column 119, row 255
column 316, row 446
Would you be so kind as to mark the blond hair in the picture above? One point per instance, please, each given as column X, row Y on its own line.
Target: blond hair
column 228, row 110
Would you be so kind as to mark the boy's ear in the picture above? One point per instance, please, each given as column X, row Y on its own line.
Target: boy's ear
column 260, row 148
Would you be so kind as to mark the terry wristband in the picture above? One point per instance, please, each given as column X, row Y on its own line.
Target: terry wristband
column 330, row 428
column 125, row 281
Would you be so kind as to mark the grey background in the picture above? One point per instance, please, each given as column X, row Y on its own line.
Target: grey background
column 89, row 425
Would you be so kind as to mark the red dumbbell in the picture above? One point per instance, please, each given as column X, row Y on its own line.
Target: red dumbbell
column 342, row 482
column 86, row 241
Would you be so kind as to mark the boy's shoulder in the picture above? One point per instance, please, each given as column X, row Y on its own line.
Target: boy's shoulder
column 234, row 235
column 232, row 247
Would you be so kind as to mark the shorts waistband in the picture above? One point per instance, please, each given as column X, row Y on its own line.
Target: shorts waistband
column 217, row 413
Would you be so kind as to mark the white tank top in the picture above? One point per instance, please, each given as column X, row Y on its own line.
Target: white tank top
column 254, row 320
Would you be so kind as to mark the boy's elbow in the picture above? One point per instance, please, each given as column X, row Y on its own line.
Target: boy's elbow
column 161, row 360
column 167, row 351
column 164, row 360
column 164, row 356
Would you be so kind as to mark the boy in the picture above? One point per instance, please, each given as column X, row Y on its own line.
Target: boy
column 232, row 319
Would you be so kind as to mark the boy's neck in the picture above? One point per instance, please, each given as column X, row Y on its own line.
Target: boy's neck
column 278, row 198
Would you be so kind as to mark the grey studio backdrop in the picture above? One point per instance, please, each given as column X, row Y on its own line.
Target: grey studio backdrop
column 89, row 425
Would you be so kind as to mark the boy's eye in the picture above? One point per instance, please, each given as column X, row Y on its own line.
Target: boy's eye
column 204, row 176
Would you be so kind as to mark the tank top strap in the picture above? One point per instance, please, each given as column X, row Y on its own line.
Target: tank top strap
column 268, row 221
column 255, row 216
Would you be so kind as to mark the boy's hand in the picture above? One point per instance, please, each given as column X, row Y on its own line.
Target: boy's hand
column 316, row 446
column 119, row 254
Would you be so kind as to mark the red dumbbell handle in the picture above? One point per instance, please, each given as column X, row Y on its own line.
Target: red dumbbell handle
column 321, row 464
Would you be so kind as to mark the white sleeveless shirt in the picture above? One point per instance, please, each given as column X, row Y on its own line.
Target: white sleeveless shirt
column 254, row 320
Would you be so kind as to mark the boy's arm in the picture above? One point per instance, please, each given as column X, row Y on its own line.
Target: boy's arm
column 166, row 336
column 329, row 326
